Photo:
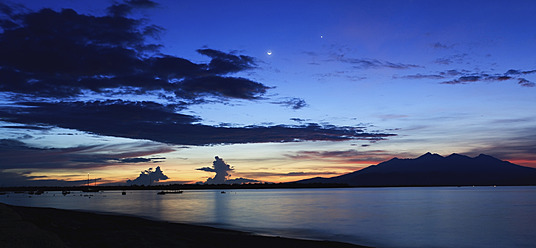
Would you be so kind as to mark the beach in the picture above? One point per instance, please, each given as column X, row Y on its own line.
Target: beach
column 49, row 227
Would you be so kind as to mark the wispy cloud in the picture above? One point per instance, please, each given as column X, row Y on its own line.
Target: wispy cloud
column 288, row 174
column 366, row 63
column 392, row 116
column 456, row 58
column 352, row 76
column 526, row 83
column 438, row 75
column 293, row 102
column 9, row 179
column 340, row 54
column 519, row 148
column 466, row 77
column 344, row 156
column 18, row 155
column 421, row 76
column 509, row 75
column 440, row 45
column 299, row 120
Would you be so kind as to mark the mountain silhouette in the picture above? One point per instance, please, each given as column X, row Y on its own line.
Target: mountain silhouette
column 434, row 170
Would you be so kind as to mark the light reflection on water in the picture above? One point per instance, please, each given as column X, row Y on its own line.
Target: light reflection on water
column 382, row 217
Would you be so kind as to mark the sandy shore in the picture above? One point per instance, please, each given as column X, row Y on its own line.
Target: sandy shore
column 48, row 227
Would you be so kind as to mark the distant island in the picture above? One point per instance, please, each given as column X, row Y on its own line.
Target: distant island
column 436, row 170
column 424, row 171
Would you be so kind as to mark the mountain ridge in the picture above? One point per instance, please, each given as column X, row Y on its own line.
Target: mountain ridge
column 431, row 169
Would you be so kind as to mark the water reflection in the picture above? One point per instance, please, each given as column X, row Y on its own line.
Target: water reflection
column 221, row 207
column 388, row 217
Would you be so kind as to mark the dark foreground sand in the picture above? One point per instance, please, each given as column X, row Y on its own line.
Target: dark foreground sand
column 48, row 227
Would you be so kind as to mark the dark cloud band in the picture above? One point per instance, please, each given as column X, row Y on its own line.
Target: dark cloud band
column 41, row 56
column 157, row 122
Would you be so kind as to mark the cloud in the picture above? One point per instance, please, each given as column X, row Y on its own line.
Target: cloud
column 221, row 169
column 343, row 156
column 457, row 58
column 294, row 103
column 14, row 179
column 348, row 75
column 439, row 75
column 451, row 73
column 421, row 76
column 519, row 148
column 465, row 77
column 17, row 155
column 439, row 45
column 339, row 53
column 241, row 181
column 26, row 127
column 478, row 77
column 365, row 63
column 140, row 160
column 125, row 8
column 526, row 83
column 227, row 87
column 223, row 63
column 148, row 177
column 519, row 72
column 299, row 120
column 289, row 174
column 41, row 56
column 49, row 67
column 161, row 123
column 392, row 116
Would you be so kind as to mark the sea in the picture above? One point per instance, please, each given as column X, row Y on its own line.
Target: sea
column 378, row 217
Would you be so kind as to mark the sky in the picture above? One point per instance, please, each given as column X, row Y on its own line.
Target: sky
column 258, row 91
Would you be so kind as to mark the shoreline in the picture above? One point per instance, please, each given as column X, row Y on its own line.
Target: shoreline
column 30, row 189
column 51, row 227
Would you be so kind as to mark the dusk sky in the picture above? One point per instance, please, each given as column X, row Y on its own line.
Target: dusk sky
column 278, row 90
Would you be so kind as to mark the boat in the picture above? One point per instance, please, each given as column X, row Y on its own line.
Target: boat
column 123, row 193
column 89, row 189
column 163, row 192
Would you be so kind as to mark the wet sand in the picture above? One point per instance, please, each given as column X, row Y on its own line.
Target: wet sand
column 48, row 227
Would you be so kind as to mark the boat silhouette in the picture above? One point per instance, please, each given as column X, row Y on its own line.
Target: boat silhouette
column 163, row 192
column 89, row 189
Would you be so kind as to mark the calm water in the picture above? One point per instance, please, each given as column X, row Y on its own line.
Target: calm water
column 381, row 217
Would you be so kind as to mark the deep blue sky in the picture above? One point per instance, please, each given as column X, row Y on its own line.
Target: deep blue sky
column 281, row 90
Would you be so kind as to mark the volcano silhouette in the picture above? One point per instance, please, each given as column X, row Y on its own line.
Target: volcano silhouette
column 436, row 170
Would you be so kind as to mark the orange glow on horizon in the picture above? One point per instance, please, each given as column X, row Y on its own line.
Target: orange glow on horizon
column 524, row 162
